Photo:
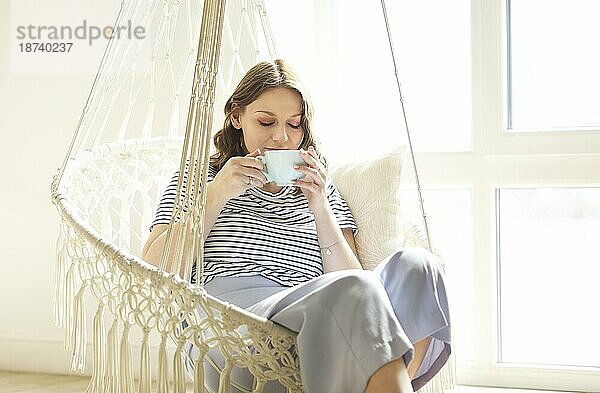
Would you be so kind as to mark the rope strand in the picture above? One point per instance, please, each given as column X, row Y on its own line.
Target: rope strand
column 401, row 99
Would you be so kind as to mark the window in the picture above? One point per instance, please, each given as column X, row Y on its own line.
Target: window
column 553, row 64
column 548, row 245
column 434, row 71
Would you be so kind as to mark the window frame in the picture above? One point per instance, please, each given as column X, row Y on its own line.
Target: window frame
column 504, row 158
column 490, row 24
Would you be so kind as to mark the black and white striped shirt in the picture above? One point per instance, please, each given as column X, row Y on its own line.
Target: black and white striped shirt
column 260, row 233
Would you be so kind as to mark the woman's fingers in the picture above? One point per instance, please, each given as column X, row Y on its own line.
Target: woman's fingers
column 248, row 162
column 254, row 174
column 313, row 153
column 307, row 184
column 314, row 174
column 311, row 159
column 250, row 181
column 315, row 169
column 255, row 153
column 249, row 169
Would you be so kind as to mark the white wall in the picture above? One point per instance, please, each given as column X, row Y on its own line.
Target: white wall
column 39, row 112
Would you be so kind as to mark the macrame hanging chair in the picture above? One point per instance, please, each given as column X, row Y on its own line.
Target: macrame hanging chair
column 126, row 146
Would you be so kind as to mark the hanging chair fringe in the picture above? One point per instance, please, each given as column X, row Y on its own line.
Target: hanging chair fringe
column 111, row 382
column 145, row 379
column 448, row 373
column 96, row 384
column 68, row 304
column 163, row 372
column 225, row 379
column 126, row 374
column 178, row 370
column 199, row 370
column 59, row 279
column 78, row 337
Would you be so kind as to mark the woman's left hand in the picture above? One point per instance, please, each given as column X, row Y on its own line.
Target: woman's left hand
column 314, row 183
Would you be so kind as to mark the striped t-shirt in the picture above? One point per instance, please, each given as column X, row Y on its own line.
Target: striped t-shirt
column 260, row 233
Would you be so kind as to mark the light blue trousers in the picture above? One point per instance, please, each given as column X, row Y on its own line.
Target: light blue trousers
column 350, row 322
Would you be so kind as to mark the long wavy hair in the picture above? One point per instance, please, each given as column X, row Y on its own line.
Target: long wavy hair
column 229, row 141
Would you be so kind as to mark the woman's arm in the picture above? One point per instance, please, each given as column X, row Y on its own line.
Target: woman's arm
column 338, row 250
column 156, row 241
column 235, row 177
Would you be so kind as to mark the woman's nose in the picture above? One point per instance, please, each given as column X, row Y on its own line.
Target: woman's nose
column 280, row 134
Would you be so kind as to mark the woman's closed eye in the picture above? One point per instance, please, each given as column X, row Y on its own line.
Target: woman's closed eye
column 269, row 124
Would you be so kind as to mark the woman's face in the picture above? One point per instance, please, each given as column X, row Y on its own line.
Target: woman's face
column 272, row 121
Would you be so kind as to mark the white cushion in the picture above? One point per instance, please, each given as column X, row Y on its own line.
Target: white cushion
column 370, row 187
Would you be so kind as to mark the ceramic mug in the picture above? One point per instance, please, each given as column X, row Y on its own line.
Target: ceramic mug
column 279, row 166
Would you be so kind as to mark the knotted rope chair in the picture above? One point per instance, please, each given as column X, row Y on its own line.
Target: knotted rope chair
column 125, row 148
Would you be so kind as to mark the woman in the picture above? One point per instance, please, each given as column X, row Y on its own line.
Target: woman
column 288, row 253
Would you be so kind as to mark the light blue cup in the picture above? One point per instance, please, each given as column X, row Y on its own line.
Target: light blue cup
column 279, row 166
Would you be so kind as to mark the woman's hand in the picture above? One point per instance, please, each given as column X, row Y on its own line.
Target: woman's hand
column 314, row 183
column 239, row 174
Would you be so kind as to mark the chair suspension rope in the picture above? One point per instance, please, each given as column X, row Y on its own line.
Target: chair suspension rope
column 412, row 153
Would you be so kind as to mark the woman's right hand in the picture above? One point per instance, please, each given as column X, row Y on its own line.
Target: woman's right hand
column 239, row 174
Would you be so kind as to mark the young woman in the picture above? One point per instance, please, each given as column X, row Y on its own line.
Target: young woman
column 288, row 253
